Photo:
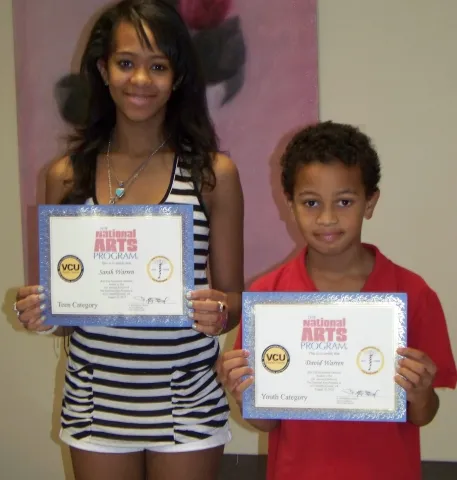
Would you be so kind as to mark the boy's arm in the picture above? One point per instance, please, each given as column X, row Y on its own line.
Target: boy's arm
column 233, row 370
column 430, row 364
column 423, row 412
column 231, row 367
column 235, row 375
column 416, row 374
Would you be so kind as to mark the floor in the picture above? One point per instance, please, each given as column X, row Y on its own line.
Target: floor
column 252, row 467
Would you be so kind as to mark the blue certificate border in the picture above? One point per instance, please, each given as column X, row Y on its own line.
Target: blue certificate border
column 251, row 299
column 46, row 212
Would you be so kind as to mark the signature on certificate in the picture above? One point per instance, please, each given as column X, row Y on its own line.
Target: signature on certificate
column 151, row 300
column 361, row 393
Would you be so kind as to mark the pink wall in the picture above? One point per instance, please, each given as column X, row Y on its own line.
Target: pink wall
column 279, row 94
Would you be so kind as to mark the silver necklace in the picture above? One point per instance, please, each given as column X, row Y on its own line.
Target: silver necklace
column 119, row 192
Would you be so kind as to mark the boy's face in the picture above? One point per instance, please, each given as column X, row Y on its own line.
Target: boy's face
column 329, row 206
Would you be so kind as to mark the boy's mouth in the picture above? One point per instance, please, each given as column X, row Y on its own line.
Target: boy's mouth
column 328, row 237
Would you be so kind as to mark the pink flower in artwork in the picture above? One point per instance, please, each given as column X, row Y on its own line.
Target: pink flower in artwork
column 202, row 14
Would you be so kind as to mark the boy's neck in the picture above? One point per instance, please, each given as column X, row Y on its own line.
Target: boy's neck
column 355, row 260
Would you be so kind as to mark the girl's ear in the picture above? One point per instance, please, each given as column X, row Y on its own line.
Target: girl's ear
column 101, row 65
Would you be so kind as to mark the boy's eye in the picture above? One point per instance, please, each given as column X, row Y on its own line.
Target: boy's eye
column 345, row 202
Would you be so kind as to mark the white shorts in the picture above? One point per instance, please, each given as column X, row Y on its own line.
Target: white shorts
column 221, row 438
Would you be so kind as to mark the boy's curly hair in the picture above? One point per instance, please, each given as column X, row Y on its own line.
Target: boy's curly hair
column 328, row 142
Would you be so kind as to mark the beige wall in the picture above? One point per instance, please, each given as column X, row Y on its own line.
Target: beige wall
column 387, row 66
column 390, row 67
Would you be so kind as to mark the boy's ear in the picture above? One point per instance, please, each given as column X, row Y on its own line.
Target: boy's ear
column 290, row 206
column 371, row 204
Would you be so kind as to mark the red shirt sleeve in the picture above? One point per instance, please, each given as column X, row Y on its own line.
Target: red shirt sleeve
column 262, row 284
column 433, row 339
column 238, row 340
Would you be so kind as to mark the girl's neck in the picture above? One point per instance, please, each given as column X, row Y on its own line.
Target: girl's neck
column 137, row 139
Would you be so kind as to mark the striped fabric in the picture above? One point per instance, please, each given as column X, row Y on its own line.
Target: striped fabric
column 146, row 387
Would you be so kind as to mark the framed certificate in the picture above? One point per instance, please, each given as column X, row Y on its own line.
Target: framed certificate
column 324, row 356
column 120, row 265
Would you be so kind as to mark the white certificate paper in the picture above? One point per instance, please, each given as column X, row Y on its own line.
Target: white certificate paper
column 324, row 356
column 122, row 265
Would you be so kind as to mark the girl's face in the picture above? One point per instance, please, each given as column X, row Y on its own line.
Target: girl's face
column 140, row 79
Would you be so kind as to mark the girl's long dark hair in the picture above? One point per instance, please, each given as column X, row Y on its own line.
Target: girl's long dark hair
column 85, row 102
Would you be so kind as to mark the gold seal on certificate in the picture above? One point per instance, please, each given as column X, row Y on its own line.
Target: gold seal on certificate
column 324, row 355
column 120, row 265
column 370, row 360
column 70, row 268
column 275, row 358
column 160, row 269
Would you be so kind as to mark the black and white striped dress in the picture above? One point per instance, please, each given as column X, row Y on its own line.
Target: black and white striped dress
column 146, row 387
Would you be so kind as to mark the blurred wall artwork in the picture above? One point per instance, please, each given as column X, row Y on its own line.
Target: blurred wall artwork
column 260, row 63
column 219, row 40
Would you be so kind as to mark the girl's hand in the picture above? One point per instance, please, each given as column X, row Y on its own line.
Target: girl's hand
column 30, row 309
column 210, row 311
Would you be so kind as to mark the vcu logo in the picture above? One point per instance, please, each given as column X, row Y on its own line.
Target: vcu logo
column 70, row 268
column 275, row 358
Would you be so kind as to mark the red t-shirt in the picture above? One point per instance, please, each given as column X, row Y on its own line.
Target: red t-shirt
column 342, row 450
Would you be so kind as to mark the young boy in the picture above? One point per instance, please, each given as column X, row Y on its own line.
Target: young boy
column 330, row 175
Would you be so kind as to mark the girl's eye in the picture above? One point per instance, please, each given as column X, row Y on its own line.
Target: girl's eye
column 125, row 64
column 311, row 203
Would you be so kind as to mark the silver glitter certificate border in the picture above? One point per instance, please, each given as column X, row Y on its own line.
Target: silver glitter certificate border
column 251, row 299
column 46, row 212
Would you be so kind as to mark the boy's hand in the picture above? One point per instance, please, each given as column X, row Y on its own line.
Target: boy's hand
column 231, row 368
column 416, row 373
